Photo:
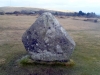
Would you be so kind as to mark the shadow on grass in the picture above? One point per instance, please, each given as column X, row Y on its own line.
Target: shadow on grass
column 28, row 67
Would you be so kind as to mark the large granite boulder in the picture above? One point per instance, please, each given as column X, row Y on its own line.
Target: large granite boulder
column 47, row 40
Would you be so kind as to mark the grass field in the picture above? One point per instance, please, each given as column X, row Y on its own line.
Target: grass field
column 86, row 55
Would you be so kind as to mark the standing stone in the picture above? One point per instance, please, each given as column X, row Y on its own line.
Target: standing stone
column 47, row 40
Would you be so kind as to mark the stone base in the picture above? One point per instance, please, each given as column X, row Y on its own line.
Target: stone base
column 48, row 57
column 26, row 60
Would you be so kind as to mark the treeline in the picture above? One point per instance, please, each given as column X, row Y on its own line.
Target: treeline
column 57, row 13
column 79, row 14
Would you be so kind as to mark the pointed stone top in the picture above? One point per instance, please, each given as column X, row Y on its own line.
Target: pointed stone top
column 47, row 13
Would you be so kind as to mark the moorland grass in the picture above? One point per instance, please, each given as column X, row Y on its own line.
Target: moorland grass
column 86, row 55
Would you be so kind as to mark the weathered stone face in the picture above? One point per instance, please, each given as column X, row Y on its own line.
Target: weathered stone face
column 47, row 40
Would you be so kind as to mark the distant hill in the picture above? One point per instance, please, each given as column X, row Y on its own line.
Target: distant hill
column 12, row 9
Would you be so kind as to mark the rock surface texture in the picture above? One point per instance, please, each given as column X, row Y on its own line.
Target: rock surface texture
column 47, row 40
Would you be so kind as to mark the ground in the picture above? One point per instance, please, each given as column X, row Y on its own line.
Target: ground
column 86, row 54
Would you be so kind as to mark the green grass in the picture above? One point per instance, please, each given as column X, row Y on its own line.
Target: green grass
column 86, row 55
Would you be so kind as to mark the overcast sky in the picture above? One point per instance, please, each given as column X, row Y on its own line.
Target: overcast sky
column 73, row 5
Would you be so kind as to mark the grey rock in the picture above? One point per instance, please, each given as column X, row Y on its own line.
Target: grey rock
column 47, row 40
